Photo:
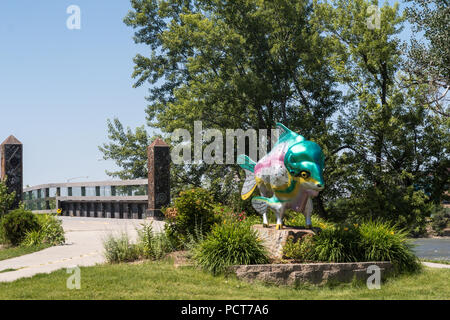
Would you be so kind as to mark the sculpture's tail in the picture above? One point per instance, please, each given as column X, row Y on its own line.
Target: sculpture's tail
column 250, row 182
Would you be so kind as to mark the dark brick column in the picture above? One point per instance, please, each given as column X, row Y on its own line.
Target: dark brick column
column 12, row 168
column 158, row 178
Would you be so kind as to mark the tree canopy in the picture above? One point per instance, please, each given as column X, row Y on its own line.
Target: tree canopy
column 314, row 66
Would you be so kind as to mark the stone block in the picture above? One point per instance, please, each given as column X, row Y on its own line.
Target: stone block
column 274, row 240
column 313, row 273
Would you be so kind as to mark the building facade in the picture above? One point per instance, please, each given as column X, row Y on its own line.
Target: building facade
column 126, row 199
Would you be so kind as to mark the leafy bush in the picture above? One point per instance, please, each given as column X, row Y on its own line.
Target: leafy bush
column 6, row 199
column 120, row 249
column 371, row 241
column 296, row 219
column 302, row 250
column 229, row 244
column 194, row 208
column 406, row 207
column 50, row 232
column 15, row 224
column 33, row 238
column 339, row 244
column 154, row 245
column 382, row 242
column 440, row 220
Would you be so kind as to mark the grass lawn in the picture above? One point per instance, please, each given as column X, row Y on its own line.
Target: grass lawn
column 160, row 280
column 12, row 252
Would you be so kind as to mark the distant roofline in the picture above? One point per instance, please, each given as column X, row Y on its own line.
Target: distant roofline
column 116, row 183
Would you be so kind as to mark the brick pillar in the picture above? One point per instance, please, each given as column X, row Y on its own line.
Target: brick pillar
column 12, row 168
column 158, row 178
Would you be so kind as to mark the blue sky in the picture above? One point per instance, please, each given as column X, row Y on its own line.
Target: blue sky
column 59, row 86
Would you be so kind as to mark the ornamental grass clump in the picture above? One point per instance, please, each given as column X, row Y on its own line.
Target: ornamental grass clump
column 120, row 249
column 337, row 244
column 153, row 245
column 381, row 241
column 369, row 241
column 230, row 243
column 50, row 232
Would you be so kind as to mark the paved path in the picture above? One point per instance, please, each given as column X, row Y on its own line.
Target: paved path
column 84, row 247
column 436, row 265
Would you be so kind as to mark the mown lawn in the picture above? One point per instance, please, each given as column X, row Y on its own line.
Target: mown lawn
column 12, row 252
column 160, row 280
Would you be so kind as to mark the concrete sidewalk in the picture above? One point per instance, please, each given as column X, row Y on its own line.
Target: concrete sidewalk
column 84, row 247
column 436, row 265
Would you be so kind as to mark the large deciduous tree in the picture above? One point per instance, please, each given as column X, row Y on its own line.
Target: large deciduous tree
column 319, row 68
column 235, row 64
column 429, row 59
column 396, row 152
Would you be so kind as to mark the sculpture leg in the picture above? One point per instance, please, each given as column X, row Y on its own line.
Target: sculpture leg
column 280, row 214
column 265, row 192
column 307, row 213
column 265, row 221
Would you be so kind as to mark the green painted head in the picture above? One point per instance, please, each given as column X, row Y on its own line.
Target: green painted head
column 305, row 160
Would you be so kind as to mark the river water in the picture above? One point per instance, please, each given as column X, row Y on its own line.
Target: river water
column 434, row 249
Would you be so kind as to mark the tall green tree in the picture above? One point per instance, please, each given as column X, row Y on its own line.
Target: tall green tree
column 429, row 59
column 395, row 150
column 236, row 64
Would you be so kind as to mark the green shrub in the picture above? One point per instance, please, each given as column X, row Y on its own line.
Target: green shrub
column 50, row 232
column 193, row 208
column 154, row 245
column 16, row 224
column 6, row 199
column 229, row 244
column 296, row 219
column 370, row 241
column 440, row 220
column 382, row 242
column 339, row 244
column 51, row 229
column 302, row 250
column 407, row 207
column 33, row 238
column 120, row 249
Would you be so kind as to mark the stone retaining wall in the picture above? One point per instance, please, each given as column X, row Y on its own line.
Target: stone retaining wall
column 314, row 273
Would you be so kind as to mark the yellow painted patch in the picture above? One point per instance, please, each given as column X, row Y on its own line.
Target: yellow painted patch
column 248, row 194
